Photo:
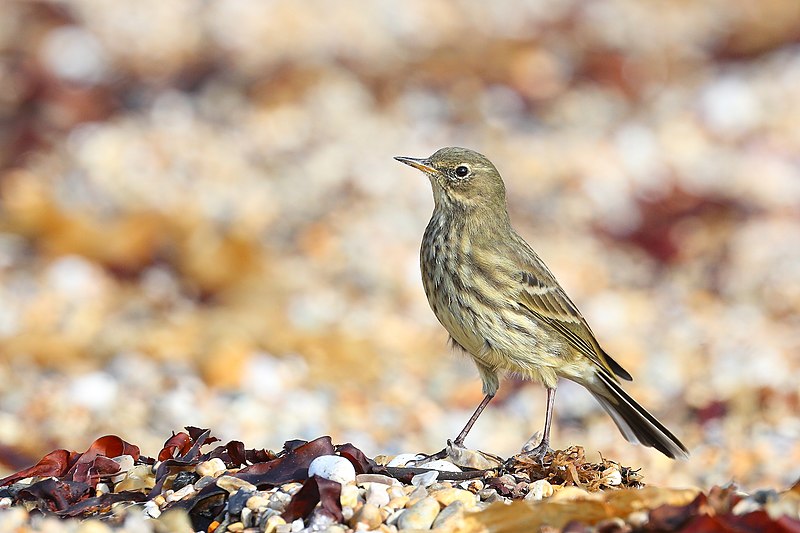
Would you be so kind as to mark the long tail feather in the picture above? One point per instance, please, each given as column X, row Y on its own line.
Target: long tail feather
column 633, row 420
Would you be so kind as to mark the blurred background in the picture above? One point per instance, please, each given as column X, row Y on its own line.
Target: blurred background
column 201, row 222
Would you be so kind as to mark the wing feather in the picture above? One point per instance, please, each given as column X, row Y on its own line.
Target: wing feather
column 550, row 304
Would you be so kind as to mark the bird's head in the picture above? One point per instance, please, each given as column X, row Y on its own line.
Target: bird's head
column 461, row 176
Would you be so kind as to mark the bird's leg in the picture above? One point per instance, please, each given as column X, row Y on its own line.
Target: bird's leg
column 459, row 441
column 471, row 422
column 543, row 448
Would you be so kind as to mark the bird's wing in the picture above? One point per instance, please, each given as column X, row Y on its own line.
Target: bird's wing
column 544, row 298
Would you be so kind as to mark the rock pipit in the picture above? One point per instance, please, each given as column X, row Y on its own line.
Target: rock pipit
column 504, row 307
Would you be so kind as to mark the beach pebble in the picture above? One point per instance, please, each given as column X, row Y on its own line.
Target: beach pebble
column 213, row 467
column 362, row 479
column 369, row 515
column 273, row 522
column 404, row 458
column 449, row 515
column 377, row 494
column 238, row 500
column 425, row 479
column 612, row 477
column 416, row 495
column 139, row 477
column 333, row 467
column 125, row 463
column 257, row 502
column 349, row 496
column 233, row 484
column 538, row 490
column 450, row 495
column 178, row 495
column 420, row 515
column 441, row 465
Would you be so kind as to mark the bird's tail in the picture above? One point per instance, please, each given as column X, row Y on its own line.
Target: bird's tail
column 633, row 420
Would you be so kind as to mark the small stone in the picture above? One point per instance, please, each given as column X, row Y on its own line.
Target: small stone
column 213, row 467
column 151, row 509
column 233, row 484
column 238, row 500
column 393, row 517
column 449, row 515
column 416, row 495
column 14, row 519
column 204, row 481
column 473, row 485
column 369, row 515
column 319, row 520
column 125, row 463
column 347, row 512
column 786, row 504
column 349, row 496
column 538, row 490
column 235, row 527
column 174, row 521
column 139, row 477
column 442, row 465
column 246, row 516
column 273, row 522
column 333, row 467
column 183, row 479
column 638, row 519
column 448, row 496
column 612, row 477
column 279, row 500
column 398, row 503
column 746, row 506
column 101, row 488
column 425, row 479
column 297, row 525
column 612, row 525
column 362, row 479
column 93, row 526
column 420, row 515
column 178, row 495
column 396, row 492
column 291, row 488
column 336, row 528
column 257, row 502
column 490, row 496
column 404, row 458
column 382, row 460
column 377, row 495
column 574, row 493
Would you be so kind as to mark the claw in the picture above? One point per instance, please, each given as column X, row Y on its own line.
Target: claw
column 539, row 453
column 441, row 454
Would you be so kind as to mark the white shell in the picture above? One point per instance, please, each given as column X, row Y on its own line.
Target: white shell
column 334, row 468
column 439, row 464
column 404, row 458
column 425, row 479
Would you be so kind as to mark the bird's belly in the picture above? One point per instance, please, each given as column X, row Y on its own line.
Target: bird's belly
column 496, row 334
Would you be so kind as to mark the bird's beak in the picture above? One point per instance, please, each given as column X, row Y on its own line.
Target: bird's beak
column 419, row 164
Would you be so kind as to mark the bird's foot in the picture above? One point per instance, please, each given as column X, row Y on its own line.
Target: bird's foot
column 461, row 456
column 539, row 453
column 464, row 457
column 441, row 454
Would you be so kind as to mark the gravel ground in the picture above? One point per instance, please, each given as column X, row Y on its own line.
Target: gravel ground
column 201, row 222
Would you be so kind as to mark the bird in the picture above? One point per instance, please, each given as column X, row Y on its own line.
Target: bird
column 503, row 306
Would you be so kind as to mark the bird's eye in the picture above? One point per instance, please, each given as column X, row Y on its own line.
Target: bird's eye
column 462, row 171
